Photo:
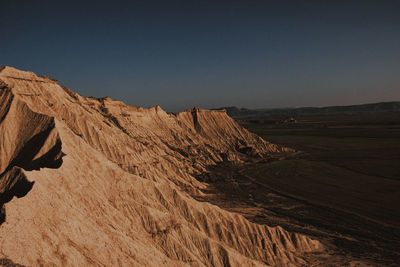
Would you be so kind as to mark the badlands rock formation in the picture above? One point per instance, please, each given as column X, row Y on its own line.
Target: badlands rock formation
column 87, row 181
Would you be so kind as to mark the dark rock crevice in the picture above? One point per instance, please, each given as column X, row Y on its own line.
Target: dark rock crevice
column 196, row 123
column 13, row 181
column 5, row 100
column 9, row 263
column 26, row 156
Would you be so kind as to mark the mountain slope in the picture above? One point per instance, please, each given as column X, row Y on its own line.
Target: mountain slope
column 113, row 184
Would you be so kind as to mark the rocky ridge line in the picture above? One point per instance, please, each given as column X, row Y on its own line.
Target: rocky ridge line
column 122, row 195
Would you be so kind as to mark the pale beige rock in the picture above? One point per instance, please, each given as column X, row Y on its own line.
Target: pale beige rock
column 113, row 184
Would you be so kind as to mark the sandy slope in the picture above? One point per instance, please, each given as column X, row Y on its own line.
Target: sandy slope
column 113, row 183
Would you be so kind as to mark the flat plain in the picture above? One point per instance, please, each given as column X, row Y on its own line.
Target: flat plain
column 342, row 186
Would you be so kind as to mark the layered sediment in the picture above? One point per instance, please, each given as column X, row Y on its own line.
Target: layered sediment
column 88, row 181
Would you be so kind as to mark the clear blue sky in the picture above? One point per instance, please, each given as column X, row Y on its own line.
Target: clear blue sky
column 179, row 54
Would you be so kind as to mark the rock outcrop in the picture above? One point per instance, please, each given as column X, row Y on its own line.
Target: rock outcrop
column 113, row 184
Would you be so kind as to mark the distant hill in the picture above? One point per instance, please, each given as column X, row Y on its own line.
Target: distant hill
column 373, row 108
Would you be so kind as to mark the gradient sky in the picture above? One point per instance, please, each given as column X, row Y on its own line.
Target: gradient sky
column 179, row 54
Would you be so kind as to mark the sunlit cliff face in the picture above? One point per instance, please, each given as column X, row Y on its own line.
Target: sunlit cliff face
column 99, row 183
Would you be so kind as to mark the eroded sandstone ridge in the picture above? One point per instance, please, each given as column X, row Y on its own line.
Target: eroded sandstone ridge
column 113, row 184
